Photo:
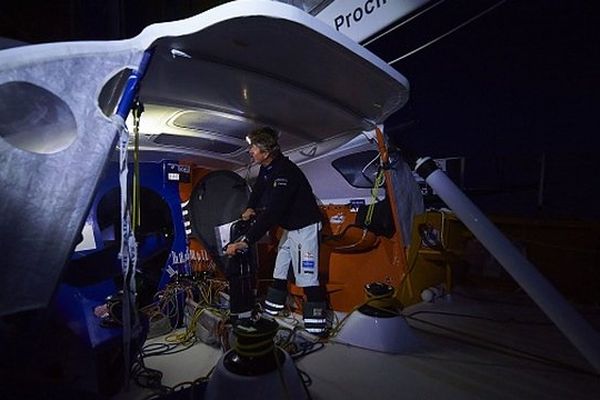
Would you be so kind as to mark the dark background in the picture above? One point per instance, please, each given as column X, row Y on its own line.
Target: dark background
column 515, row 92
column 515, row 87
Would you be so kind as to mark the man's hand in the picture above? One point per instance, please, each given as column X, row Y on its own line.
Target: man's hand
column 248, row 214
column 236, row 247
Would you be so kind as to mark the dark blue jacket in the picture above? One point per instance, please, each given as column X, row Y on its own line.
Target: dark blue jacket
column 286, row 196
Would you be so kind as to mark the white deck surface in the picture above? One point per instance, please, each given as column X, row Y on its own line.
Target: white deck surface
column 500, row 347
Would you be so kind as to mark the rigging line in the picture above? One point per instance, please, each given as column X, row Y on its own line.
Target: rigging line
column 402, row 23
column 481, row 14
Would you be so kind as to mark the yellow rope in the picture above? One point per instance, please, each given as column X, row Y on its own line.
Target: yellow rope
column 386, row 303
column 249, row 349
column 378, row 182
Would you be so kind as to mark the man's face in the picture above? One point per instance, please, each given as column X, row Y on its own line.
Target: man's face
column 258, row 156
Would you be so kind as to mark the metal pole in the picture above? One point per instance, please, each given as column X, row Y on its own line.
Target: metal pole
column 581, row 334
column 132, row 86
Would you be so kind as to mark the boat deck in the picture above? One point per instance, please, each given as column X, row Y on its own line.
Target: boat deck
column 471, row 344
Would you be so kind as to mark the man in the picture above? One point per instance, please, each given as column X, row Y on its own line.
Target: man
column 288, row 201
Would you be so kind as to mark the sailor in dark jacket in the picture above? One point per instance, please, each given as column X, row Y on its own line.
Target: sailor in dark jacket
column 286, row 199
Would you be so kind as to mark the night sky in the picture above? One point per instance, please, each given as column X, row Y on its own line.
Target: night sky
column 517, row 86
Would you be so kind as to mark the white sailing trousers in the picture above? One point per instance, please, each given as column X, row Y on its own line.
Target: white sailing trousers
column 299, row 247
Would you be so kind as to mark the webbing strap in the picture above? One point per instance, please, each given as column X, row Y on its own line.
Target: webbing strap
column 128, row 251
column 378, row 182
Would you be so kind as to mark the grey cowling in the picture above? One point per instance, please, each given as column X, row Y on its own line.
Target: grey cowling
column 55, row 143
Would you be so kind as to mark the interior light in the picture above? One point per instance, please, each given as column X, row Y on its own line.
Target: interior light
column 178, row 53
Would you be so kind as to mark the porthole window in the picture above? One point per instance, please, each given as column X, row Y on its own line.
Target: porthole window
column 35, row 119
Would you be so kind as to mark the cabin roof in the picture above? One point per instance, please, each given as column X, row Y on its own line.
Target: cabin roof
column 216, row 76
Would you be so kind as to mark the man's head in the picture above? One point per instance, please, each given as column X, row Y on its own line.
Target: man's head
column 263, row 145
